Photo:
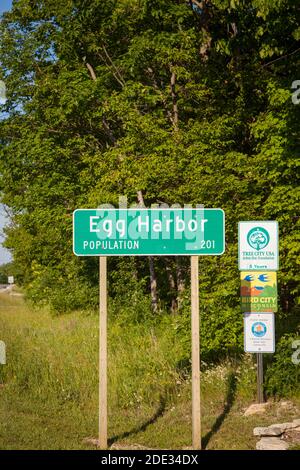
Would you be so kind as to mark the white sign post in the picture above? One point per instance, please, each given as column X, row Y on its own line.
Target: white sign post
column 11, row 279
column 258, row 245
column 259, row 332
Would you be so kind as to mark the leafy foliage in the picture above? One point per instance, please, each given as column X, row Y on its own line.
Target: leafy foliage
column 283, row 375
column 106, row 98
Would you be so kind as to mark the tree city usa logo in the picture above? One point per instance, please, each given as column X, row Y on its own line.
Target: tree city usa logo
column 258, row 238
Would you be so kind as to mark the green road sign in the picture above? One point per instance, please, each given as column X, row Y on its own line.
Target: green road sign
column 157, row 232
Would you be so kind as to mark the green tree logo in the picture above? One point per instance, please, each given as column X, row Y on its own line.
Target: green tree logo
column 258, row 238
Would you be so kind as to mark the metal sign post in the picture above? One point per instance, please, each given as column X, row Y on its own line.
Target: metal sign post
column 260, row 378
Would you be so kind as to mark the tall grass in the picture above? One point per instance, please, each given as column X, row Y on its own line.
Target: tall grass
column 49, row 397
column 56, row 358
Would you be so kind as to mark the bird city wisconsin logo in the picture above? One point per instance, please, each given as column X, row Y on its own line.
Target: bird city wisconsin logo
column 259, row 291
column 259, row 329
column 258, row 238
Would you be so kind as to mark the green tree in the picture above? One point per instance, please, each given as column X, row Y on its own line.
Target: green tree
column 182, row 102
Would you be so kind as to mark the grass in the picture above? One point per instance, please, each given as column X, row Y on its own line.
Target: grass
column 49, row 396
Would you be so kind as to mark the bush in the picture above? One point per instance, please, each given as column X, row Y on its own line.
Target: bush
column 283, row 374
column 63, row 291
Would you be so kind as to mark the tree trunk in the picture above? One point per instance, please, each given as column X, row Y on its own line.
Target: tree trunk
column 180, row 280
column 153, row 285
column 174, row 100
column 172, row 286
column 153, row 281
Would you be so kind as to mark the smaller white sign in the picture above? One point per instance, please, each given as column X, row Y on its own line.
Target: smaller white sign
column 258, row 245
column 259, row 332
column 11, row 279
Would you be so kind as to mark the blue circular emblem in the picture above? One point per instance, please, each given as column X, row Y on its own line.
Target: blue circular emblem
column 258, row 238
column 259, row 329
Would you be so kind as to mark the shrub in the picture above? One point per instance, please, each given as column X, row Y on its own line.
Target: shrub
column 283, row 374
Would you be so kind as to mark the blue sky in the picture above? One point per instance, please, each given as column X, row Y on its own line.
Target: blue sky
column 4, row 254
column 5, row 5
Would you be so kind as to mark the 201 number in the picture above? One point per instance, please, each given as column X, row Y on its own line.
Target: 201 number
column 209, row 244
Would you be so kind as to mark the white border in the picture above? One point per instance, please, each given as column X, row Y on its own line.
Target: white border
column 152, row 209
column 273, row 342
column 258, row 222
